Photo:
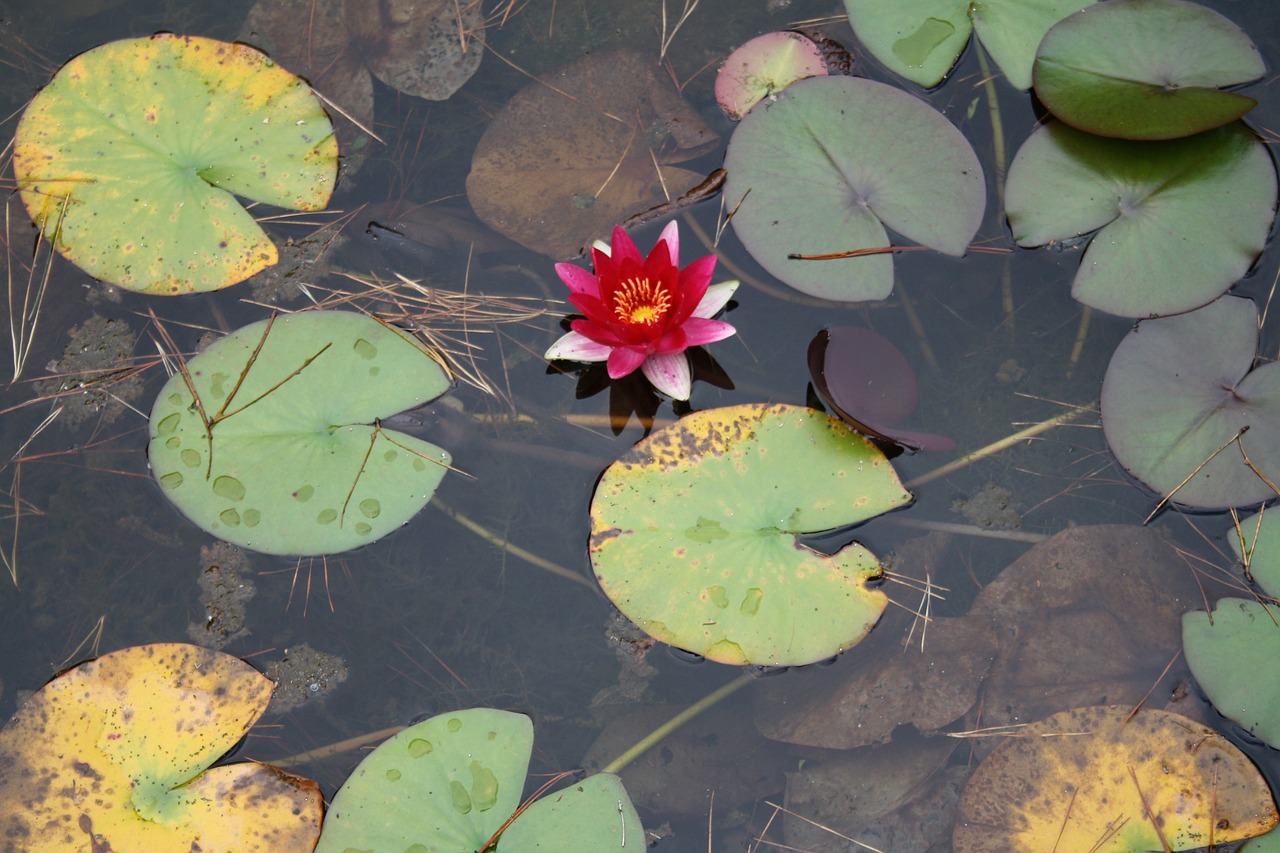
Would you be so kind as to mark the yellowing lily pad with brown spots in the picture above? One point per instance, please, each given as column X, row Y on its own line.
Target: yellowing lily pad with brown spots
column 694, row 534
column 112, row 755
column 132, row 157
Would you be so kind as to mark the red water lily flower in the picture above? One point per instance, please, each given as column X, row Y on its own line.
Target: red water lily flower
column 643, row 312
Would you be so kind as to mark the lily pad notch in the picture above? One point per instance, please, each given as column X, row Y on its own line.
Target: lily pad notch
column 131, row 159
column 694, row 534
column 271, row 437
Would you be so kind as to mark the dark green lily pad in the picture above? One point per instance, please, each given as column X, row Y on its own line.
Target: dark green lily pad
column 1227, row 652
column 921, row 39
column 1177, row 222
column 1146, row 69
column 299, row 465
column 448, row 784
column 830, row 164
column 1178, row 388
column 1262, row 543
column 135, row 151
column 693, row 534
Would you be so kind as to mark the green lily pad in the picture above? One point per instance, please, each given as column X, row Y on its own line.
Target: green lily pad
column 448, row 784
column 1146, row 69
column 133, row 154
column 112, row 755
column 1262, row 542
column 1178, row 388
column 1177, row 222
column 294, row 461
column 921, row 39
column 830, row 164
column 693, row 534
column 1227, row 652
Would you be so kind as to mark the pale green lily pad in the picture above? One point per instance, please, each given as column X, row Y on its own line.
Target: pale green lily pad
column 693, row 534
column 299, row 465
column 1262, row 543
column 921, row 39
column 1227, row 653
column 1178, row 388
column 830, row 164
column 1146, row 69
column 133, row 155
column 449, row 783
column 1178, row 222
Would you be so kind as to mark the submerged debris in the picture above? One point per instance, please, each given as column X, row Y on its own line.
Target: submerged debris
column 302, row 675
column 225, row 590
column 94, row 376
column 991, row 507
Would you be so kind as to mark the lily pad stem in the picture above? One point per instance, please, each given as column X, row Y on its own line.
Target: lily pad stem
column 651, row 739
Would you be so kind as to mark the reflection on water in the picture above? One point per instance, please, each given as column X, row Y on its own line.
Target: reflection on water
column 439, row 616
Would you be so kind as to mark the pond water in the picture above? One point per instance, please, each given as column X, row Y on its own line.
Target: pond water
column 448, row 612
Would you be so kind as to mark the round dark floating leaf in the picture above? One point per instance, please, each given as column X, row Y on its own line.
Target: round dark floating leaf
column 869, row 383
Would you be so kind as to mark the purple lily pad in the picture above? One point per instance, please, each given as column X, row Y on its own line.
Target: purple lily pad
column 1178, row 389
column 870, row 385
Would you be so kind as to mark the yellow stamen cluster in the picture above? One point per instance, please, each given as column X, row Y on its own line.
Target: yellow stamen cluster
column 641, row 301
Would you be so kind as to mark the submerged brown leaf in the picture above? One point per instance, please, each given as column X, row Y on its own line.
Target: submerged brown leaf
column 427, row 48
column 583, row 148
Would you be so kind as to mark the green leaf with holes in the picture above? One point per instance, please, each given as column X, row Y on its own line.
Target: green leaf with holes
column 694, row 534
column 921, row 39
column 132, row 157
column 278, row 449
column 450, row 783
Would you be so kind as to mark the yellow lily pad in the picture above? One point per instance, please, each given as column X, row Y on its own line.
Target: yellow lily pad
column 111, row 755
column 134, row 153
column 1093, row 779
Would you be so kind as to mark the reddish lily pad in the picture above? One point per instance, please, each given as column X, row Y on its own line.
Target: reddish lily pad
column 869, row 383
column 763, row 66
column 1178, row 389
column 133, row 155
column 693, row 534
column 580, row 150
column 112, row 755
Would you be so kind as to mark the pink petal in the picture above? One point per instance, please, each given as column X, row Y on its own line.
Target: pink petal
column 624, row 360
column 699, row 331
column 714, row 300
column 669, row 374
column 698, row 274
column 577, row 279
column 576, row 347
column 671, row 236
column 601, row 334
column 623, row 248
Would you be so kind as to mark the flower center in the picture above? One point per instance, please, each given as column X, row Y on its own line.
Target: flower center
column 641, row 301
